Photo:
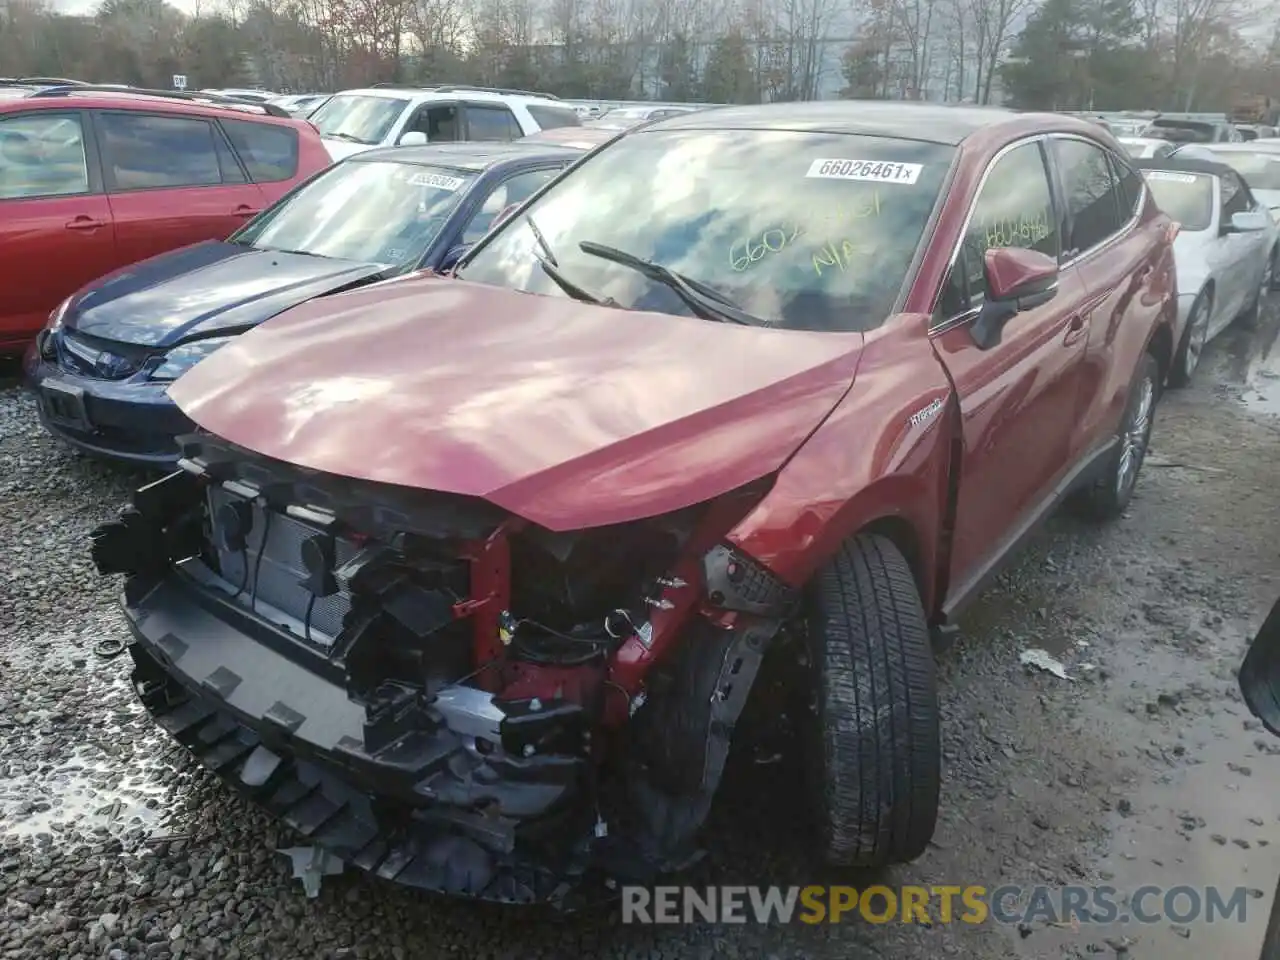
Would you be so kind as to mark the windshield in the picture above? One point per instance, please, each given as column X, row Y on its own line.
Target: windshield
column 1261, row 171
column 1185, row 197
column 803, row 230
column 371, row 211
column 362, row 119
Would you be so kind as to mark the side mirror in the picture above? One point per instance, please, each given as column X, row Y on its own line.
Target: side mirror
column 1017, row 280
column 1251, row 221
column 412, row 138
column 1260, row 673
column 451, row 258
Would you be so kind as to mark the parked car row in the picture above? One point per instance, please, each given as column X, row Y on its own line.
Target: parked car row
column 1225, row 198
column 102, row 366
column 467, row 572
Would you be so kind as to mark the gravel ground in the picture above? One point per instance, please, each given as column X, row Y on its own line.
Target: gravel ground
column 1144, row 768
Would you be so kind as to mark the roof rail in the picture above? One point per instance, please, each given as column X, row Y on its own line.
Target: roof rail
column 455, row 87
column 402, row 86
column 53, row 81
column 214, row 99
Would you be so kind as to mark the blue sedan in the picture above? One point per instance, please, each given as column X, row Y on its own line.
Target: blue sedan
column 101, row 368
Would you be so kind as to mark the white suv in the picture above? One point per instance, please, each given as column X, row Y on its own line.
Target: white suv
column 386, row 114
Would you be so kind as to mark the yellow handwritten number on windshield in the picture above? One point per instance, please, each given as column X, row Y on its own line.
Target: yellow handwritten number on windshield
column 773, row 240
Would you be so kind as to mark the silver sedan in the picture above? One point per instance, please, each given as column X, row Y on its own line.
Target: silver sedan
column 1225, row 250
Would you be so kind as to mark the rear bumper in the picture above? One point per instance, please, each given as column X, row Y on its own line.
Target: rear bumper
column 258, row 709
column 122, row 420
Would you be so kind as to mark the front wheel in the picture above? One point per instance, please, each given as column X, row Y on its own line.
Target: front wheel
column 1113, row 490
column 872, row 737
column 1194, row 338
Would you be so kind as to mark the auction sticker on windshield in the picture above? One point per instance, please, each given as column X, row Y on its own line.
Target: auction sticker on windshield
column 1170, row 177
column 875, row 171
column 437, row 180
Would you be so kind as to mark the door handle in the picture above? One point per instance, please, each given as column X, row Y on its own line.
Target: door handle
column 244, row 211
column 85, row 223
column 1075, row 330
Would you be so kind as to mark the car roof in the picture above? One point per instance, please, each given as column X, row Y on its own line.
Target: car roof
column 470, row 155
column 1186, row 122
column 1177, row 164
column 909, row 121
column 140, row 100
column 422, row 94
column 582, row 136
column 1261, row 145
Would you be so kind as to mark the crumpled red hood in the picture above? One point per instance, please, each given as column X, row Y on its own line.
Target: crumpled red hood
column 567, row 414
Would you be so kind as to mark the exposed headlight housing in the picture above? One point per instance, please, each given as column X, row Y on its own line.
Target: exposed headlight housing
column 182, row 358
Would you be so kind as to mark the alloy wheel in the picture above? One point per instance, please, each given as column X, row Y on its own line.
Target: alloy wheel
column 1137, row 433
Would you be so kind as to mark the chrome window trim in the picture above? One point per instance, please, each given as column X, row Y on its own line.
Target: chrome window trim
column 960, row 319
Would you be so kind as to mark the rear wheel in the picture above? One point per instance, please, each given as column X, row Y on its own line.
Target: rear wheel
column 872, row 737
column 1113, row 490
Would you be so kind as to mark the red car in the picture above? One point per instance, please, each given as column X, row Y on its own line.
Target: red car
column 94, row 179
column 469, row 579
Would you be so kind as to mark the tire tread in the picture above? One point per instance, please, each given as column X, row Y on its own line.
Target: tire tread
column 880, row 744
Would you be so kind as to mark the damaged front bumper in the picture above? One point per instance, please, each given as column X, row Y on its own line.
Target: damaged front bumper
column 292, row 742
column 350, row 660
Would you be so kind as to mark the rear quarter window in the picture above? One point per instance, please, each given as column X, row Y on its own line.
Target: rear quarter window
column 269, row 151
column 548, row 118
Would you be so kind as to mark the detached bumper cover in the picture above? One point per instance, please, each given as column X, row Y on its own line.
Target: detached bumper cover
column 291, row 740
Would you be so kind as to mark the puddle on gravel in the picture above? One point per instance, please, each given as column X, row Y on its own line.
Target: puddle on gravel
column 82, row 795
column 1203, row 812
column 1253, row 363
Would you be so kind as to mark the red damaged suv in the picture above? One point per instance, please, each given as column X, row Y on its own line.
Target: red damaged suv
column 93, row 179
column 468, row 580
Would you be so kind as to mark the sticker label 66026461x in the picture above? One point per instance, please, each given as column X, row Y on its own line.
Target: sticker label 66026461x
column 438, row 180
column 874, row 171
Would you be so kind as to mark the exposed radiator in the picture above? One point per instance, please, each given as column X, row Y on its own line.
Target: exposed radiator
column 279, row 595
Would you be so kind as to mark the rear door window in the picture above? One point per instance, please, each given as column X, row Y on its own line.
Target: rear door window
column 42, row 155
column 146, row 152
column 1092, row 195
column 486, row 122
column 269, row 151
column 1130, row 186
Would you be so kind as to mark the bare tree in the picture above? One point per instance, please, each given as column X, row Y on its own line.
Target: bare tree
column 992, row 23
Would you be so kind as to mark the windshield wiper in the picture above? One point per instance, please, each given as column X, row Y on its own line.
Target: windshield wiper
column 547, row 252
column 551, row 267
column 706, row 303
column 569, row 287
column 345, row 136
